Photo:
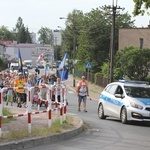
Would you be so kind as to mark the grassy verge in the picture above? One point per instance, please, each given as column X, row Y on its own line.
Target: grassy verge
column 94, row 91
column 7, row 112
column 19, row 134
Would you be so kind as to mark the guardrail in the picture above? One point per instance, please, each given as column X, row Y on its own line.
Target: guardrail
column 61, row 106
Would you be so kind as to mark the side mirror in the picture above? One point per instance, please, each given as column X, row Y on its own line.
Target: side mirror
column 119, row 96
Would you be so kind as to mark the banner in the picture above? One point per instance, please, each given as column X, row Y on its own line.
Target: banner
column 65, row 62
column 63, row 68
column 20, row 69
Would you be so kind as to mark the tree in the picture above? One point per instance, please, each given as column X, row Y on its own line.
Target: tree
column 90, row 34
column 46, row 36
column 3, row 64
column 141, row 6
column 133, row 63
column 5, row 34
column 22, row 33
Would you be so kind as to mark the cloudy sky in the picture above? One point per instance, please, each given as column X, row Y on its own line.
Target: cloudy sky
column 46, row 13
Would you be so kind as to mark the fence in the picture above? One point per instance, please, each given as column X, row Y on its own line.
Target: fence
column 98, row 79
column 29, row 91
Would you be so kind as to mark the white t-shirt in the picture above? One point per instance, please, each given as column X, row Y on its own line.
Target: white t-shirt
column 82, row 88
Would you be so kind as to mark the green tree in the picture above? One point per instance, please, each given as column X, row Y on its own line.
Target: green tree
column 141, row 6
column 133, row 63
column 28, row 36
column 46, row 36
column 22, row 33
column 5, row 34
column 3, row 64
column 94, row 38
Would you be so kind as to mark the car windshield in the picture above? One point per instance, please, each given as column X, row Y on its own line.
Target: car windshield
column 14, row 67
column 138, row 92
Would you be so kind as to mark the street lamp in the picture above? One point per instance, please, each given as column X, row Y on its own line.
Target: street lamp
column 74, row 48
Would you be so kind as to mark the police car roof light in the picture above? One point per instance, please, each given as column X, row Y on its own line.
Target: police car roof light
column 132, row 81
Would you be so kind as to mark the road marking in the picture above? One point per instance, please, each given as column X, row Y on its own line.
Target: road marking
column 70, row 92
column 72, row 114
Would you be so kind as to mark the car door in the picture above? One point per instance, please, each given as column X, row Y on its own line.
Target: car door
column 117, row 101
column 109, row 105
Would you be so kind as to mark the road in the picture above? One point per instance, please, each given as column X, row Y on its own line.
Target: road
column 108, row 134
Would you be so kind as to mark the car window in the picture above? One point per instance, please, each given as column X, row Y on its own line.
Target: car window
column 119, row 90
column 107, row 88
column 112, row 89
column 137, row 92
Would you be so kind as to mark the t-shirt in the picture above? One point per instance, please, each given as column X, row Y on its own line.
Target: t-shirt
column 20, row 83
column 59, row 88
column 82, row 87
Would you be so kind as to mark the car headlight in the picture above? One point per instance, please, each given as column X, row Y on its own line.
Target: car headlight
column 136, row 105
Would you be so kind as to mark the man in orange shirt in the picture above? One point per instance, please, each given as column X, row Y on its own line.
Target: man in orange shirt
column 20, row 83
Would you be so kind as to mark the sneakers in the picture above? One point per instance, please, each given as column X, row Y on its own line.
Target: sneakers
column 83, row 110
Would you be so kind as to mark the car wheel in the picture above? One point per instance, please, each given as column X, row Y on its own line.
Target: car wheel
column 101, row 112
column 124, row 115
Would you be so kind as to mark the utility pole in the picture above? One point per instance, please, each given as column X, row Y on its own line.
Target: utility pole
column 55, row 40
column 74, row 49
column 112, row 43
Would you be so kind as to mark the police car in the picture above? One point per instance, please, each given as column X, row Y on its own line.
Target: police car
column 126, row 100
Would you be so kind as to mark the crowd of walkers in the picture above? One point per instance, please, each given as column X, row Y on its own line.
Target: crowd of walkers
column 19, row 80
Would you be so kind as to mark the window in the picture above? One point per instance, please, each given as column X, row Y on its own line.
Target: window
column 112, row 89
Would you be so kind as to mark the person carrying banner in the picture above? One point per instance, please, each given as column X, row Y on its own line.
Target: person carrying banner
column 82, row 92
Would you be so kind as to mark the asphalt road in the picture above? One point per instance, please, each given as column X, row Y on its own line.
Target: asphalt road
column 108, row 134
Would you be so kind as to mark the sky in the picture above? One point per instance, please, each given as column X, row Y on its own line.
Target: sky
column 46, row 13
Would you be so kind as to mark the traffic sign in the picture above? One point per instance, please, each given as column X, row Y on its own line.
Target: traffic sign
column 88, row 65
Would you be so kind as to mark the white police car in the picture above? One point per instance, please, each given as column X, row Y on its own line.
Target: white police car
column 126, row 100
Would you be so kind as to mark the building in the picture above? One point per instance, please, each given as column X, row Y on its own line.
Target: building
column 29, row 51
column 57, row 37
column 137, row 37
column 33, row 37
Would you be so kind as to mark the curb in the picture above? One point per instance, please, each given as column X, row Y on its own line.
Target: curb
column 31, row 142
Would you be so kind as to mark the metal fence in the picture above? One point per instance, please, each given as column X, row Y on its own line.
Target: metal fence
column 96, row 79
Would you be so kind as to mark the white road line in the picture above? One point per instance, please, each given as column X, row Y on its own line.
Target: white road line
column 70, row 92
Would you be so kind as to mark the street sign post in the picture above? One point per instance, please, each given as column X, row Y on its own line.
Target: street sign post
column 88, row 66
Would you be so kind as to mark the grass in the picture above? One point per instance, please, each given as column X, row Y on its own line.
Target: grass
column 94, row 91
column 36, row 132
column 7, row 112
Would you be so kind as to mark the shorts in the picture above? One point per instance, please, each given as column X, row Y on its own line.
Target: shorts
column 9, row 98
column 82, row 98
column 22, row 97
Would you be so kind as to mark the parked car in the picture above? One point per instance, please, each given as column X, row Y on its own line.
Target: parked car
column 126, row 100
column 25, row 69
column 40, row 66
column 55, row 65
column 28, row 63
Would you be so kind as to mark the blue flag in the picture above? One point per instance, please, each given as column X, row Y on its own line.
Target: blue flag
column 65, row 62
column 63, row 68
column 20, row 69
